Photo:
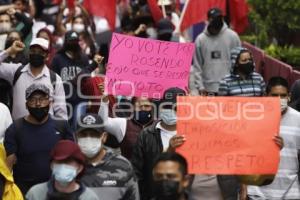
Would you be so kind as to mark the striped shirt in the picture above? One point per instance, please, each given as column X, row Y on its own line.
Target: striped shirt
column 285, row 184
column 234, row 85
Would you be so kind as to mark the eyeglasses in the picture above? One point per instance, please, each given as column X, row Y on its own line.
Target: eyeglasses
column 41, row 100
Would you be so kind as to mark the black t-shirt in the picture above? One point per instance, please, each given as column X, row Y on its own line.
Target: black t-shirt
column 32, row 146
column 68, row 69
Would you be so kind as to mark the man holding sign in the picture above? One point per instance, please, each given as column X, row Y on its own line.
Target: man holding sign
column 285, row 184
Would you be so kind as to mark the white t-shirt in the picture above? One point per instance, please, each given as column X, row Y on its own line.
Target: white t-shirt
column 5, row 120
column 165, row 136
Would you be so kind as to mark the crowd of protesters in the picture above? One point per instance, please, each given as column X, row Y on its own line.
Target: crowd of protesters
column 56, row 144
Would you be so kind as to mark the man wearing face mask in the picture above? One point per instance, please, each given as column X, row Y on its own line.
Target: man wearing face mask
column 285, row 184
column 67, row 164
column 70, row 63
column 22, row 76
column 29, row 140
column 212, row 54
column 242, row 80
column 109, row 175
column 155, row 139
column 170, row 177
column 126, row 130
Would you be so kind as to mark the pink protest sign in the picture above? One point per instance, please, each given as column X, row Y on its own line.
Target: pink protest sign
column 146, row 67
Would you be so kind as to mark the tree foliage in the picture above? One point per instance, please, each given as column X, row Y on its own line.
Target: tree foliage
column 279, row 19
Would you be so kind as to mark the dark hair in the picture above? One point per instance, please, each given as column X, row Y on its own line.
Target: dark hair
column 175, row 157
column 15, row 31
column 277, row 81
column 135, row 99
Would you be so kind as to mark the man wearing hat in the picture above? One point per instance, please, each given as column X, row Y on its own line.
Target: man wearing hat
column 109, row 175
column 155, row 139
column 22, row 76
column 212, row 55
column 29, row 140
column 67, row 164
column 70, row 63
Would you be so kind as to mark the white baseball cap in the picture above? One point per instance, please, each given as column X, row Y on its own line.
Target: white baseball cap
column 41, row 42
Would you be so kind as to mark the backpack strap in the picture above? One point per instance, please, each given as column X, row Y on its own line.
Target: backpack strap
column 53, row 79
column 17, row 74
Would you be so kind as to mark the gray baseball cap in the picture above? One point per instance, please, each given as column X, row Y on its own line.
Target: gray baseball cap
column 36, row 87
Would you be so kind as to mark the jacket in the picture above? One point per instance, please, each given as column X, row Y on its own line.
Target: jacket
column 212, row 58
column 11, row 191
column 148, row 147
column 45, row 190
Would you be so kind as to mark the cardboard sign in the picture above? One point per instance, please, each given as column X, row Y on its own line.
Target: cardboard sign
column 146, row 67
column 229, row 135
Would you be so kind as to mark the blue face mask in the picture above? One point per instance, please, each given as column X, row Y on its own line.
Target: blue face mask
column 64, row 174
column 168, row 116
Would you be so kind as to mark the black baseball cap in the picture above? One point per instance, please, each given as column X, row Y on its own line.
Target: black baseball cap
column 71, row 36
column 90, row 121
column 170, row 95
column 214, row 13
column 164, row 26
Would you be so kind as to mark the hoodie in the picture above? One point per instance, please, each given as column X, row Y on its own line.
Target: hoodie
column 234, row 85
column 212, row 58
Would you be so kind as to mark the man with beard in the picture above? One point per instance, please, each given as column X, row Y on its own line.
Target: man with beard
column 29, row 140
column 212, row 55
column 22, row 76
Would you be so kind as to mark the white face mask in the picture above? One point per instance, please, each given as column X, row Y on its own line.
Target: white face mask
column 90, row 146
column 168, row 116
column 79, row 28
column 5, row 27
column 283, row 104
column 64, row 174
column 151, row 32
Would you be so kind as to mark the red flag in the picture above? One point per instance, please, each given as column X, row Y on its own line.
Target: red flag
column 155, row 10
column 239, row 10
column 103, row 8
column 195, row 11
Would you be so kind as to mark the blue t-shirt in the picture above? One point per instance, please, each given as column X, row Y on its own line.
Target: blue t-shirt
column 32, row 146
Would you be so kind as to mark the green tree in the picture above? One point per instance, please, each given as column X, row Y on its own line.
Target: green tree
column 279, row 19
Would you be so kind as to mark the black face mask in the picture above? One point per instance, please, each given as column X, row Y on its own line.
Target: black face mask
column 215, row 26
column 246, row 68
column 73, row 47
column 167, row 190
column 36, row 60
column 38, row 113
column 143, row 117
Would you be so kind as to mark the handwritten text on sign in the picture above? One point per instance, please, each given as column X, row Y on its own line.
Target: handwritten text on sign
column 229, row 135
column 146, row 67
